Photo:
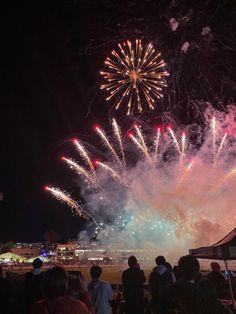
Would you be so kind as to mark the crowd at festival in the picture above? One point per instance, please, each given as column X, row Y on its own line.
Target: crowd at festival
column 177, row 290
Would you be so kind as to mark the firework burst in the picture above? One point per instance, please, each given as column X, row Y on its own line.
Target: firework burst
column 134, row 76
column 160, row 197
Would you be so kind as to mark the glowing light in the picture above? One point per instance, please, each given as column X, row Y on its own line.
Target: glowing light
column 214, row 138
column 157, row 144
column 220, row 147
column 117, row 132
column 159, row 200
column 80, row 170
column 186, row 171
column 143, row 143
column 190, row 165
column 231, row 173
column 134, row 76
column 140, row 146
column 108, row 145
column 83, row 153
column 174, row 139
column 183, row 144
column 65, row 198
column 75, row 207
column 113, row 173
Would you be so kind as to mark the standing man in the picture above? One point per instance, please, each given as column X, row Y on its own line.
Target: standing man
column 159, row 278
column 101, row 292
column 217, row 279
column 183, row 295
column 133, row 279
column 33, row 281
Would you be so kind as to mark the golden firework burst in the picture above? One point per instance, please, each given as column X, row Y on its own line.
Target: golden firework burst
column 134, row 76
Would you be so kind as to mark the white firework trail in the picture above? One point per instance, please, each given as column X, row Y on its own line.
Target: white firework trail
column 108, row 145
column 117, row 132
column 84, row 154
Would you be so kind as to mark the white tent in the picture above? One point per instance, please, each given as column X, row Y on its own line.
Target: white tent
column 10, row 257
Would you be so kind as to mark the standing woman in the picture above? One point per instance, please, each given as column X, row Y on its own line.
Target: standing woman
column 56, row 300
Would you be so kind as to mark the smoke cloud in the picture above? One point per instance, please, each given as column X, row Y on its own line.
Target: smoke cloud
column 180, row 200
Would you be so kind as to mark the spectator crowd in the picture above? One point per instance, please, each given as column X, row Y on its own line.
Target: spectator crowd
column 177, row 290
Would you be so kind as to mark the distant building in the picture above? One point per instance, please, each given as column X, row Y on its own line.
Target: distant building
column 27, row 252
column 66, row 251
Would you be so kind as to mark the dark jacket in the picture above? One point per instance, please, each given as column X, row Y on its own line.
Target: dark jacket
column 33, row 287
column 159, row 278
column 133, row 280
column 218, row 281
column 7, row 296
column 187, row 298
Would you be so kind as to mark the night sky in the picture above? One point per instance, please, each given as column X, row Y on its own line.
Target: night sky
column 51, row 58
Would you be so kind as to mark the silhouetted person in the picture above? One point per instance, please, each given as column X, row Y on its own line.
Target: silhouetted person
column 217, row 279
column 208, row 303
column 160, row 277
column 78, row 289
column 33, row 281
column 182, row 297
column 176, row 273
column 170, row 269
column 7, row 296
column 117, row 304
column 101, row 292
column 56, row 299
column 133, row 279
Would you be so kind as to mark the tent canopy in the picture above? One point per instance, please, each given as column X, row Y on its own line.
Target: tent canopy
column 225, row 249
column 11, row 256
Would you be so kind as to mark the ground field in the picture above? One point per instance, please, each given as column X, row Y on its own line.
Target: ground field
column 111, row 274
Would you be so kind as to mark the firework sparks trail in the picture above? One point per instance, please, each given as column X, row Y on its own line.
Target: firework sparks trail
column 231, row 173
column 186, row 172
column 183, row 144
column 174, row 139
column 214, row 138
column 157, row 141
column 220, row 148
column 143, row 143
column 113, row 173
column 134, row 76
column 83, row 153
column 117, row 132
column 140, row 146
column 190, row 165
column 80, row 170
column 66, row 198
column 108, row 145
column 177, row 206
